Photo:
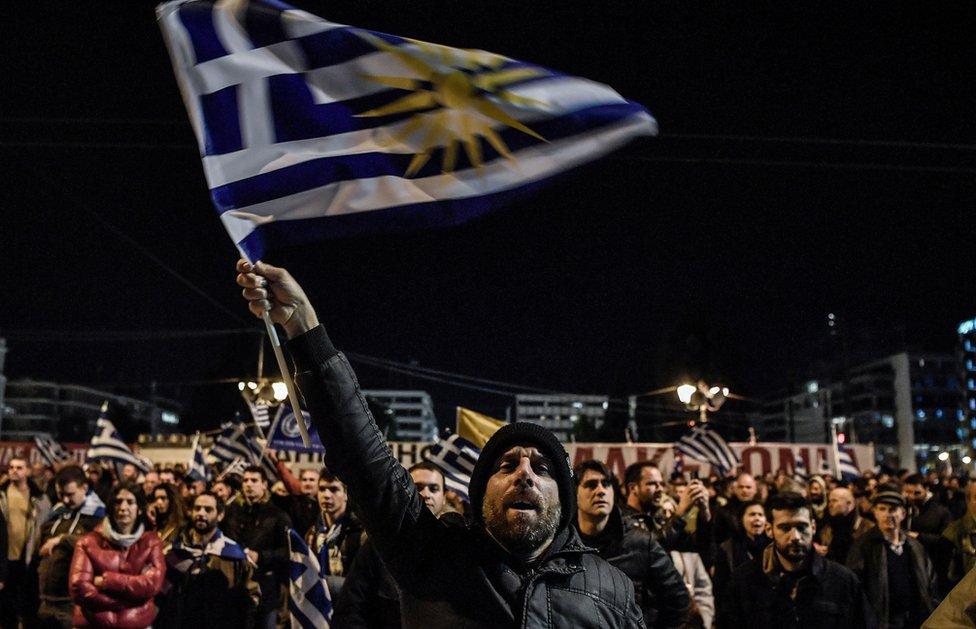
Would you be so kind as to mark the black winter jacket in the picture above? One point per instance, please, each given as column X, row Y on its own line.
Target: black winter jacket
column 449, row 574
column 263, row 528
column 628, row 544
column 829, row 596
column 868, row 560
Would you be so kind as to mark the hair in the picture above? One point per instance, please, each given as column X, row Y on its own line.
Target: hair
column 316, row 472
column 19, row 458
column 633, row 472
column 787, row 501
column 207, row 492
column 591, row 465
column 431, row 467
column 256, row 469
column 135, row 490
column 326, row 475
column 177, row 515
column 916, row 479
column 751, row 503
column 70, row 474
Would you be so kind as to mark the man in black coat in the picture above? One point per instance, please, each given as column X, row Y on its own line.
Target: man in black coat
column 261, row 529
column 927, row 519
column 627, row 543
column 792, row 585
column 896, row 571
column 520, row 563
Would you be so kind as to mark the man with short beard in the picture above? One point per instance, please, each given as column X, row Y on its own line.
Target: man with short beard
column 209, row 578
column 792, row 585
column 626, row 542
column 842, row 525
column 519, row 563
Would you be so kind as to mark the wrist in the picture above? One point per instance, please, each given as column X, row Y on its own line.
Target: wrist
column 301, row 321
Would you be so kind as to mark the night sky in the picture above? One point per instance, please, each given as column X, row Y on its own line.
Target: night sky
column 715, row 250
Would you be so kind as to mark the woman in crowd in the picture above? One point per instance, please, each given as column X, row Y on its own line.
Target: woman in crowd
column 746, row 544
column 166, row 513
column 118, row 568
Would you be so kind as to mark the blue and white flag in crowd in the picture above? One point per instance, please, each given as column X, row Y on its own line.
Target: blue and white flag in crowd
column 235, row 467
column 284, row 433
column 235, row 442
column 456, row 457
column 309, row 602
column 260, row 412
column 800, row 470
column 198, row 468
column 107, row 445
column 707, row 445
column 846, row 466
column 51, row 451
column 309, row 129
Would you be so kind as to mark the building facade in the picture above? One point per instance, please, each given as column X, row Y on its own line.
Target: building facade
column 966, row 413
column 564, row 415
column 413, row 413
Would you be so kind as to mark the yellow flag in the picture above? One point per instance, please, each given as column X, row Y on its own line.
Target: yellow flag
column 475, row 427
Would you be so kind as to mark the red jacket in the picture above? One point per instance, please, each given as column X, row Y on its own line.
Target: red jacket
column 132, row 577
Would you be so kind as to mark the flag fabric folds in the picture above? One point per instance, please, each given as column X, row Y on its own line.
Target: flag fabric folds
column 235, row 467
column 309, row 129
column 284, row 434
column 51, row 451
column 260, row 413
column 107, row 445
column 846, row 466
column 309, row 602
column 198, row 468
column 800, row 470
column 235, row 442
column 475, row 427
column 707, row 445
column 456, row 457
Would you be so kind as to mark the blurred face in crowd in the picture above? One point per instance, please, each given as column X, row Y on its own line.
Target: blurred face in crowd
column 125, row 510
column 971, row 498
column 792, row 533
column 840, row 502
column 521, row 506
column 197, row 487
column 914, row 494
column 167, row 477
column 72, row 495
column 649, row 489
column 129, row 472
column 754, row 520
column 310, row 483
column 205, row 515
column 149, row 482
column 744, row 487
column 816, row 491
column 222, row 490
column 254, row 486
column 161, row 502
column 17, row 470
column 430, row 485
column 888, row 517
column 332, row 497
column 594, row 495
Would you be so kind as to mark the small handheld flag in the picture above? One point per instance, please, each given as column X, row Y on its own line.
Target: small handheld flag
column 707, row 445
column 456, row 457
column 50, row 450
column 107, row 444
column 309, row 602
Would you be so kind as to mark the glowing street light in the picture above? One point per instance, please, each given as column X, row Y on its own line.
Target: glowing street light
column 280, row 391
column 943, row 456
column 685, row 391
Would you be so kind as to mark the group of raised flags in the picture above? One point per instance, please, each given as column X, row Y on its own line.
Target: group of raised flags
column 107, row 445
column 237, row 441
column 51, row 451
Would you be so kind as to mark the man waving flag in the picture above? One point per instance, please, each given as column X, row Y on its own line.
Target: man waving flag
column 310, row 129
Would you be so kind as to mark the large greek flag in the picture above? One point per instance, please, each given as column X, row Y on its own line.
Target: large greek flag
column 107, row 444
column 310, row 129
column 309, row 603
column 50, row 450
column 456, row 457
column 708, row 446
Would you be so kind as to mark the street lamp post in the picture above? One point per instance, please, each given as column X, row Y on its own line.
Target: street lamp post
column 702, row 398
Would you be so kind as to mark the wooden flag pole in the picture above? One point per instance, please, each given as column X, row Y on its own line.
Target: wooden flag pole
column 286, row 378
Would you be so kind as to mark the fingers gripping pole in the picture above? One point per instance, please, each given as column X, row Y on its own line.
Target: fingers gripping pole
column 286, row 377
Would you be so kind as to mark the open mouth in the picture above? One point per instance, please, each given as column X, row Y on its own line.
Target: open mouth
column 522, row 505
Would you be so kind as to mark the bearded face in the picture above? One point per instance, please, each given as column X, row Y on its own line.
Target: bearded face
column 521, row 508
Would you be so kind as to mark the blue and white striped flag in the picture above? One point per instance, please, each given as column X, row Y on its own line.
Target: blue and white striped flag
column 309, row 602
column 309, row 129
column 846, row 466
column 708, row 446
column 800, row 470
column 235, row 442
column 50, row 450
column 260, row 413
column 107, row 444
column 198, row 468
column 456, row 457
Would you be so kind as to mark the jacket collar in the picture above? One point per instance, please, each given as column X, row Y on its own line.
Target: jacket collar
column 773, row 569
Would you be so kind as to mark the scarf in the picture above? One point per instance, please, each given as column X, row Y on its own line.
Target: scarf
column 186, row 558
column 327, row 543
column 92, row 506
column 121, row 539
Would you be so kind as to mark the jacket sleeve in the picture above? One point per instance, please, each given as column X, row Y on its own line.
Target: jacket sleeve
column 730, row 613
column 356, row 451
column 703, row 593
column 358, row 591
column 81, row 583
column 667, row 588
column 291, row 483
column 139, row 587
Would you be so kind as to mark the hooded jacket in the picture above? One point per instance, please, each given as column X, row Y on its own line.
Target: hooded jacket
column 132, row 577
column 450, row 574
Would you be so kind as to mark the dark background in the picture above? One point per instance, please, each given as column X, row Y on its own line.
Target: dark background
column 716, row 250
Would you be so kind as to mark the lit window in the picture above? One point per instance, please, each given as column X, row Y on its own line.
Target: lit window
column 920, row 414
column 972, row 404
column 887, row 421
column 972, row 423
column 961, row 433
column 971, row 384
column 960, row 414
column 974, row 443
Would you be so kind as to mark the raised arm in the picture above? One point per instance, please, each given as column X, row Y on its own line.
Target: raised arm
column 354, row 447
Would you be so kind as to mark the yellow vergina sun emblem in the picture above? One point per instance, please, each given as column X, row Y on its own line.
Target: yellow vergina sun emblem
column 460, row 83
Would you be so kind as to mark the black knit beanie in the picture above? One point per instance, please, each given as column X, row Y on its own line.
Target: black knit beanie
column 524, row 433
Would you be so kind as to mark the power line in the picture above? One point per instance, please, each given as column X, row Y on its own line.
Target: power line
column 734, row 161
column 816, row 140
